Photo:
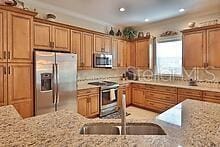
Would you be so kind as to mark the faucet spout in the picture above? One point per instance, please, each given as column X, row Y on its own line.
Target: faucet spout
column 123, row 115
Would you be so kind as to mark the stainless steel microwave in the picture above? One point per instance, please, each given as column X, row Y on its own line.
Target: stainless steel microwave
column 102, row 60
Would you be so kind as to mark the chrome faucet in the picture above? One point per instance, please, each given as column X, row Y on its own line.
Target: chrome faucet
column 123, row 115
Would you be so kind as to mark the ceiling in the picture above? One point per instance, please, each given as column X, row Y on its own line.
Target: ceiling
column 136, row 10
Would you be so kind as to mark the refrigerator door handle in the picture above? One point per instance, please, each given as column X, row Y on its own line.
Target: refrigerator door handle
column 54, row 84
column 57, row 84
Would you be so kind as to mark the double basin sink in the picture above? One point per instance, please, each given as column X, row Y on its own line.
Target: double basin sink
column 116, row 129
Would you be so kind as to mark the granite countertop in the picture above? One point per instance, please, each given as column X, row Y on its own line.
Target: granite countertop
column 191, row 123
column 176, row 84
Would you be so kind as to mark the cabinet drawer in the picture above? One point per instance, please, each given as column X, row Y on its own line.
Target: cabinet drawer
column 87, row 91
column 184, row 97
column 163, row 89
column 157, row 106
column 215, row 95
column 171, row 98
column 212, row 100
column 143, row 86
column 190, row 92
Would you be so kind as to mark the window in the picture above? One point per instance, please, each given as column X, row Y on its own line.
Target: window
column 169, row 58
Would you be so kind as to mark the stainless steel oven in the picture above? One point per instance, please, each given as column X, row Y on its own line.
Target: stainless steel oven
column 102, row 60
column 108, row 101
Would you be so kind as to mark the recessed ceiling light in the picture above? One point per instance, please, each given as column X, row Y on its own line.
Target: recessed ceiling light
column 181, row 10
column 122, row 9
column 146, row 20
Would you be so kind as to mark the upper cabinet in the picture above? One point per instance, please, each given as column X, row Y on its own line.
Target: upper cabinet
column 114, row 52
column 76, row 44
column 121, row 53
column 142, row 53
column 194, row 49
column 51, row 37
column 19, row 37
column 213, row 47
column 87, row 51
column 102, row 44
column 201, row 47
column 3, row 31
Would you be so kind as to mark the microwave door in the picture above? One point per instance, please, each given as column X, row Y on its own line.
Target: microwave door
column 66, row 67
column 44, row 82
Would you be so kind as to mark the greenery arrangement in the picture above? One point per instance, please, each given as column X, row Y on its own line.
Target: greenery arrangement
column 129, row 33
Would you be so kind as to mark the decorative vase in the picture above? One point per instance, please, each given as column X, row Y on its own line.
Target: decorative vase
column 51, row 17
column 119, row 33
column 111, row 32
column 140, row 34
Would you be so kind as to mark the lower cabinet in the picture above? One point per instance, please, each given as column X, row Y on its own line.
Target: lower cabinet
column 17, row 87
column 127, row 90
column 138, row 97
column 184, row 94
column 88, row 102
column 213, row 97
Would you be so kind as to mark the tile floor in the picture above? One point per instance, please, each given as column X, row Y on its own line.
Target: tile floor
column 137, row 113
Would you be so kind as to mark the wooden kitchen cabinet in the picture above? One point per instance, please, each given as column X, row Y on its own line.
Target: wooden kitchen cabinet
column 124, row 89
column 102, row 44
column 19, row 37
column 76, row 45
column 42, row 36
column 61, row 38
column 3, row 35
column 88, row 102
column 20, row 88
column 51, row 37
column 138, row 96
column 194, row 48
column 213, row 97
column 213, row 47
column 87, row 51
column 3, row 84
column 127, row 53
column 115, row 52
column 184, row 94
column 142, row 53
column 121, row 53
column 133, row 54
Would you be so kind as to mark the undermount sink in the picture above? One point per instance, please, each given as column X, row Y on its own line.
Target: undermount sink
column 115, row 129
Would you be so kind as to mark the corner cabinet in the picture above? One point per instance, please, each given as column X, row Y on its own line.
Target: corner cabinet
column 201, row 47
column 51, row 37
column 88, row 102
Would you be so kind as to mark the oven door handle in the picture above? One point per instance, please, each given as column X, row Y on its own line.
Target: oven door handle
column 108, row 90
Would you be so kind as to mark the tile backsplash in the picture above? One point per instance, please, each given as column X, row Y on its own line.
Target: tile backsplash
column 98, row 74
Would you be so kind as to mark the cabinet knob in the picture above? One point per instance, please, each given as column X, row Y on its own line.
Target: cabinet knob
column 4, row 55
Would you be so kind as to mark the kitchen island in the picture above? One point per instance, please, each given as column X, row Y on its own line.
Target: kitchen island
column 190, row 123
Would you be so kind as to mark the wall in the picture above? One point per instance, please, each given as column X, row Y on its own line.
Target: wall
column 178, row 23
column 67, row 16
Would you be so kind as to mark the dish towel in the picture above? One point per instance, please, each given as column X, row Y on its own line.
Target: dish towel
column 112, row 95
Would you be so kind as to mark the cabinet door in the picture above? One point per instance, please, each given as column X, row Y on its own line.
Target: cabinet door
column 76, row 45
column 99, row 43
column 61, row 38
column 128, row 54
column 194, row 49
column 3, row 30
column 87, row 50
column 20, row 37
column 128, row 95
column 93, row 105
column 20, row 87
column 108, row 45
column 114, row 52
column 213, row 47
column 133, row 53
column 42, row 36
column 138, row 96
column 120, row 53
column 121, row 90
column 3, row 84
column 142, row 54
column 82, row 105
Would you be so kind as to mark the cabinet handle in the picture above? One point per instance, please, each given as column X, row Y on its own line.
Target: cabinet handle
column 9, row 55
column 4, row 55
column 4, row 70
column 102, row 49
column 52, row 44
column 9, row 70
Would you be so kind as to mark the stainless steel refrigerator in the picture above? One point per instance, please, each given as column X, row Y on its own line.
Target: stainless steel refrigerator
column 55, row 81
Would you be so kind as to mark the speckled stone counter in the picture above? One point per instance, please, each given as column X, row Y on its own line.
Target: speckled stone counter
column 191, row 123
column 177, row 84
column 8, row 116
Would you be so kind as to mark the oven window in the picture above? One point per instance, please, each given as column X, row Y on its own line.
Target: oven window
column 106, row 98
column 102, row 61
